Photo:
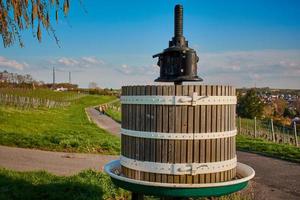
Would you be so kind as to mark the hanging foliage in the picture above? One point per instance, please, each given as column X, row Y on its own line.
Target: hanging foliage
column 17, row 15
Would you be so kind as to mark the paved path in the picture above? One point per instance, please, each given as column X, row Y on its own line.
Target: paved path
column 58, row 163
column 103, row 121
column 275, row 179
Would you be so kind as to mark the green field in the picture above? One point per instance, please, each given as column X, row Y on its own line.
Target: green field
column 113, row 111
column 42, row 185
column 23, row 98
column 41, row 93
column 57, row 129
column 261, row 146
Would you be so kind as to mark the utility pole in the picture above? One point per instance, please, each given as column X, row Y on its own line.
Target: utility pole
column 53, row 83
column 69, row 77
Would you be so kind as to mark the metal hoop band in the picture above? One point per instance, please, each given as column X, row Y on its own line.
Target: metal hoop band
column 193, row 100
column 178, row 168
column 179, row 136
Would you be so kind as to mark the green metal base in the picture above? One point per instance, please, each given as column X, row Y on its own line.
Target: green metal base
column 181, row 190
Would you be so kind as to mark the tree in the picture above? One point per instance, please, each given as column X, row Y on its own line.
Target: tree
column 296, row 105
column 268, row 111
column 17, row 15
column 289, row 113
column 280, row 105
column 249, row 105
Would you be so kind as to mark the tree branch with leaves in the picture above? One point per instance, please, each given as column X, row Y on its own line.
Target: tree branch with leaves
column 250, row 105
column 17, row 15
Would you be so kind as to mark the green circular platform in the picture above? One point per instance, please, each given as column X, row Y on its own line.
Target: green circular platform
column 180, row 190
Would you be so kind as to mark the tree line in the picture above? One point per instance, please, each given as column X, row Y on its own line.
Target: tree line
column 250, row 105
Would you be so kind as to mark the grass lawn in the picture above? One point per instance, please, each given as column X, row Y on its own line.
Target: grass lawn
column 41, row 93
column 57, row 129
column 42, row 185
column 86, row 185
column 113, row 112
column 260, row 146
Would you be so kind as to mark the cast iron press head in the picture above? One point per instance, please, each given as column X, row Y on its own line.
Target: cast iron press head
column 178, row 63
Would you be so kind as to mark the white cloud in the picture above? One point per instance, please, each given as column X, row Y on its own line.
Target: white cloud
column 92, row 60
column 78, row 62
column 249, row 67
column 149, row 70
column 68, row 61
column 5, row 62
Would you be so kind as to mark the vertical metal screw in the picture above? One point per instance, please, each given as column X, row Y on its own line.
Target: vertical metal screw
column 178, row 26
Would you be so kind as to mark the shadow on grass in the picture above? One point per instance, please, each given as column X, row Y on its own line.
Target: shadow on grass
column 42, row 185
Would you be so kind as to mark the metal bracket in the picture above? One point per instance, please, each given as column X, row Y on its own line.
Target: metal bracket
column 178, row 168
column 193, row 100
column 178, row 136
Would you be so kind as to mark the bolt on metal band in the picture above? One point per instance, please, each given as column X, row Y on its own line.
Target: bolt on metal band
column 178, row 136
column 178, row 168
column 193, row 100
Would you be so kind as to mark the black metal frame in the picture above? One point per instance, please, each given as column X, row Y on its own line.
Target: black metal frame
column 178, row 62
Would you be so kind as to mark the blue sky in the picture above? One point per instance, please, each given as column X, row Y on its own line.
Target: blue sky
column 241, row 43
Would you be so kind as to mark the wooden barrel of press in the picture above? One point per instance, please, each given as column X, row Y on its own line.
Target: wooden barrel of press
column 178, row 119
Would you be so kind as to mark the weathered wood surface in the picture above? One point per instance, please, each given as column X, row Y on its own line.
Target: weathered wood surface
column 178, row 119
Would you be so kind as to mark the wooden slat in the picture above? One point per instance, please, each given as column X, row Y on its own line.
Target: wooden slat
column 190, row 129
column 203, row 129
column 208, row 129
column 133, row 139
column 171, row 147
column 124, row 124
column 178, row 92
column 147, row 128
column 184, row 129
column 165, row 143
column 223, row 128
column 130, row 127
column 123, row 110
column 159, row 118
column 152, row 128
column 234, row 122
column 142, row 128
column 230, row 128
column 218, row 129
column 196, row 143
column 213, row 129
column 234, row 127
column 138, row 123
column 138, row 127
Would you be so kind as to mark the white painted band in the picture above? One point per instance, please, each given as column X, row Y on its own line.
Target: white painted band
column 193, row 100
column 178, row 136
column 178, row 168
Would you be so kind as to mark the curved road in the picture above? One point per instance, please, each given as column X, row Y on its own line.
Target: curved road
column 275, row 179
